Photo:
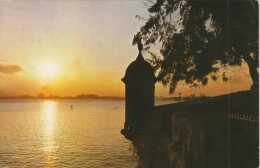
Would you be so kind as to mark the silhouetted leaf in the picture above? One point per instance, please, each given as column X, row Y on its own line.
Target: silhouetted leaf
column 195, row 36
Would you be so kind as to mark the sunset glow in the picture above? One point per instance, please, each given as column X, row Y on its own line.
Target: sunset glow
column 80, row 47
column 48, row 70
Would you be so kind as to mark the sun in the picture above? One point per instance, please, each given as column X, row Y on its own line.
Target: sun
column 48, row 70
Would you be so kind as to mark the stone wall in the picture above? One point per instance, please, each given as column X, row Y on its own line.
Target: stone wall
column 198, row 134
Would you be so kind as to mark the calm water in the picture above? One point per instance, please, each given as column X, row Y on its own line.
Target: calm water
column 48, row 133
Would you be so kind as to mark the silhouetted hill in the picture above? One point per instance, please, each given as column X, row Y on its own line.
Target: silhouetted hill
column 90, row 96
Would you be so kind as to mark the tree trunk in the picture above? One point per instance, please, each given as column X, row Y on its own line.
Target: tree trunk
column 252, row 66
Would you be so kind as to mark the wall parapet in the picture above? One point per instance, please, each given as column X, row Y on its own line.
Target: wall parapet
column 200, row 134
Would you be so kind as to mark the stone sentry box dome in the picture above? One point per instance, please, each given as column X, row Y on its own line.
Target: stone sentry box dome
column 139, row 82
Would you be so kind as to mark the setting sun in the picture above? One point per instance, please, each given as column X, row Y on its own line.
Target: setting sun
column 48, row 70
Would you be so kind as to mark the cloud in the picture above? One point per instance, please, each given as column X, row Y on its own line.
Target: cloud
column 239, row 74
column 3, row 60
column 10, row 69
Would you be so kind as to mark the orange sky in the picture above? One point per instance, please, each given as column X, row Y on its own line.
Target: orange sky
column 79, row 47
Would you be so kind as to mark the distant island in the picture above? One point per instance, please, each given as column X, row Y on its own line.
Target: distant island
column 42, row 96
column 94, row 96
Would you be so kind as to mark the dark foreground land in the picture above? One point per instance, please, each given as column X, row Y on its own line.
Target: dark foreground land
column 221, row 131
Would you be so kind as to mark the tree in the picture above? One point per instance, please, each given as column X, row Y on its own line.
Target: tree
column 199, row 37
column 40, row 95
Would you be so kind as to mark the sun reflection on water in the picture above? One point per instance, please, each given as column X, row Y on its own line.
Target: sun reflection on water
column 49, row 121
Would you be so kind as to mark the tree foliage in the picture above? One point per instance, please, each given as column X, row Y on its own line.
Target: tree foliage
column 198, row 37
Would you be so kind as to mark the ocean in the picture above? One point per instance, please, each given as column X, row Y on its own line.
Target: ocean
column 51, row 133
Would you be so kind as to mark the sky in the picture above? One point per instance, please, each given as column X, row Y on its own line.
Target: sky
column 68, row 47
